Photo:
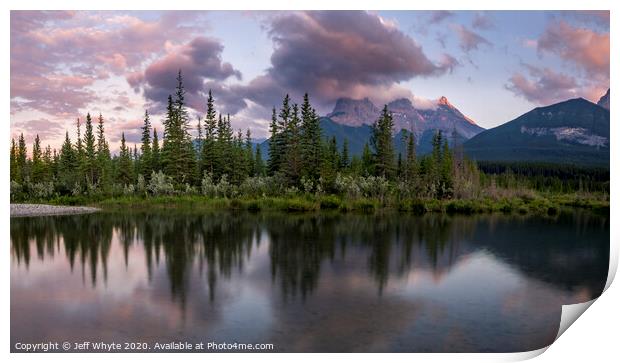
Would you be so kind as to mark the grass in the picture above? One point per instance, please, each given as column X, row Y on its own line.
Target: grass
column 549, row 204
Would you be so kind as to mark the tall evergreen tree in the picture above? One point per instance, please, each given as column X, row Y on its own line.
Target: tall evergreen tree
column 67, row 165
column 410, row 159
column 344, row 160
column 146, row 164
column 104, row 163
column 274, row 145
column 249, row 154
column 21, row 159
column 284, row 117
column 37, row 161
column 293, row 163
column 125, row 167
column 155, row 153
column 367, row 161
column 13, row 165
column 209, row 149
column 383, row 146
column 89, row 162
column 311, row 139
column 259, row 164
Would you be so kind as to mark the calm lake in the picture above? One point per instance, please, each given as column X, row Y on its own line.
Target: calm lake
column 304, row 283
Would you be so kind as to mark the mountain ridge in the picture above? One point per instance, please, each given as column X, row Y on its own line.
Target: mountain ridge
column 575, row 131
column 441, row 115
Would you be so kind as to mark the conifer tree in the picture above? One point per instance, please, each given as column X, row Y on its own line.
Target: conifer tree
column 146, row 164
column 367, row 161
column 13, row 164
column 104, row 164
column 124, row 163
column 259, row 164
column 78, row 143
column 274, row 145
column 410, row 159
column 89, row 160
column 37, row 161
column 208, row 150
column 283, row 138
column 155, row 153
column 293, row 163
column 383, row 147
column 21, row 159
column 311, row 139
column 249, row 154
column 67, row 165
column 344, row 160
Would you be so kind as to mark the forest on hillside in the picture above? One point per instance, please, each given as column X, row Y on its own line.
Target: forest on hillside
column 218, row 162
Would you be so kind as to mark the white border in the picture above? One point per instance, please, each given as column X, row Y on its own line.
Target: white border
column 592, row 338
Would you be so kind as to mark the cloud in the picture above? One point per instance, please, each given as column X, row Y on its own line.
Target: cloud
column 332, row 54
column 598, row 18
column 468, row 39
column 200, row 61
column 482, row 21
column 543, row 86
column 329, row 54
column 42, row 127
column 56, row 56
column 439, row 16
column 585, row 48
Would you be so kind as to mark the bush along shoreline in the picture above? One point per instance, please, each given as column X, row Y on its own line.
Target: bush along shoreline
column 354, row 194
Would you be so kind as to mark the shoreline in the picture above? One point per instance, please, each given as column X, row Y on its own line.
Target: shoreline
column 548, row 205
column 39, row 210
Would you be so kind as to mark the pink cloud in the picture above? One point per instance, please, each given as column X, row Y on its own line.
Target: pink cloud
column 586, row 48
column 57, row 56
column 543, row 86
column 469, row 40
column 44, row 128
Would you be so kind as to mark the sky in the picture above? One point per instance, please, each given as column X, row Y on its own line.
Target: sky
column 493, row 66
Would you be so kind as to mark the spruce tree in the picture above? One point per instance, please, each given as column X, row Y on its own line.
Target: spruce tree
column 37, row 161
column 67, row 165
column 104, row 160
column 208, row 150
column 155, row 154
column 249, row 154
column 344, row 160
column 170, row 149
column 89, row 161
column 311, row 139
column 124, row 163
column 186, row 168
column 383, row 146
column 21, row 159
column 293, row 162
column 410, row 159
column 274, row 145
column 283, row 139
column 259, row 164
column 367, row 161
column 13, row 164
column 146, row 164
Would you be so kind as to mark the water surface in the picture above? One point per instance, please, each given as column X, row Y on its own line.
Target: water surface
column 304, row 283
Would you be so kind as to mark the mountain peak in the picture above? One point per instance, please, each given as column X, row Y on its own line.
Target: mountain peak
column 443, row 100
column 348, row 111
column 604, row 101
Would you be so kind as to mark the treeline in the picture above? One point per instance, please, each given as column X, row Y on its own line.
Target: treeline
column 219, row 162
column 558, row 178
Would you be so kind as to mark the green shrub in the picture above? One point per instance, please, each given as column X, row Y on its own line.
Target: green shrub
column 330, row 202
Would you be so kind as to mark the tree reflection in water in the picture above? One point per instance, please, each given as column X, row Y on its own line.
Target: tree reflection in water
column 299, row 246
